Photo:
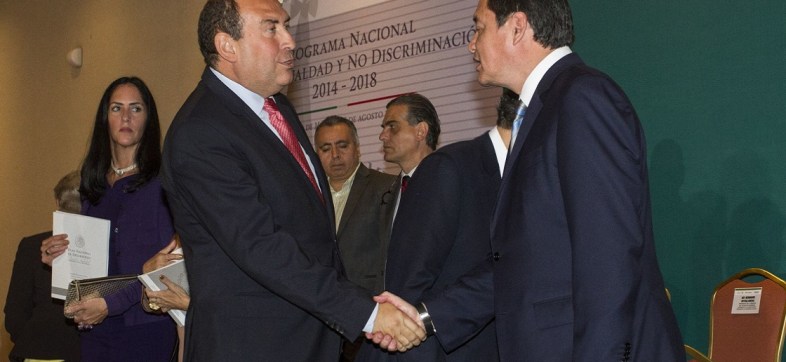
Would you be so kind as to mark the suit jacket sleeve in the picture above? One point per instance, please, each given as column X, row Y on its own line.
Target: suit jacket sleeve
column 213, row 179
column 600, row 161
column 20, row 302
column 425, row 227
column 461, row 310
column 427, row 224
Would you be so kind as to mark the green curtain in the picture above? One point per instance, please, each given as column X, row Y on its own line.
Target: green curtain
column 708, row 80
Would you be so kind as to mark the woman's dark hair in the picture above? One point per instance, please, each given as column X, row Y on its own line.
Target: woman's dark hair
column 99, row 156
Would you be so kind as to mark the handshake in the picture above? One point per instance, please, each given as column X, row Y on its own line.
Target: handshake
column 398, row 326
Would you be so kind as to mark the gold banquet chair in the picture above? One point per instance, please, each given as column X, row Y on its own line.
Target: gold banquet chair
column 747, row 337
column 694, row 355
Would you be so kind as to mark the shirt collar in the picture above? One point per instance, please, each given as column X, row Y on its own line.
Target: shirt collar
column 534, row 78
column 499, row 148
column 348, row 182
column 251, row 99
column 411, row 172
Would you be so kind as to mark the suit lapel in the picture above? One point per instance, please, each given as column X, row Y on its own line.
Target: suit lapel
column 536, row 104
column 489, row 155
column 391, row 196
column 530, row 118
column 358, row 186
column 231, row 101
column 236, row 106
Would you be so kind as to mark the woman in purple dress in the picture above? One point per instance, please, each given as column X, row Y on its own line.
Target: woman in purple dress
column 119, row 183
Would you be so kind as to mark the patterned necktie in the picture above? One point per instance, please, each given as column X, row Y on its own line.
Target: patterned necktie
column 521, row 110
column 404, row 183
column 290, row 140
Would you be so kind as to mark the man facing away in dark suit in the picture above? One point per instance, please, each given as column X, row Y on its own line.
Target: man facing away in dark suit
column 362, row 216
column 573, row 267
column 249, row 201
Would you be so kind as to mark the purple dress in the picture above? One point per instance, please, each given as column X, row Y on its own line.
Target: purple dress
column 141, row 226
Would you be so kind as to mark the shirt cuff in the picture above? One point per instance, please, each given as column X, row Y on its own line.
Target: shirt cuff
column 370, row 323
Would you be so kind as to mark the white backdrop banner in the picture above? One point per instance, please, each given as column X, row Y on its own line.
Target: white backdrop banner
column 352, row 64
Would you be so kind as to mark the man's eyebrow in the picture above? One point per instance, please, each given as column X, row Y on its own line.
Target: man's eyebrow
column 274, row 20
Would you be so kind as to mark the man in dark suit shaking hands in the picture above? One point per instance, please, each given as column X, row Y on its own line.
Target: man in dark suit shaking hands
column 573, row 266
column 441, row 233
column 575, row 272
column 252, row 206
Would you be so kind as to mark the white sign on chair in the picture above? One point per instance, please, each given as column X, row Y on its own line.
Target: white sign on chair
column 746, row 301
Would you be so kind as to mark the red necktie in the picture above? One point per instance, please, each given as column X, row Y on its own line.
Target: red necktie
column 290, row 141
column 404, row 183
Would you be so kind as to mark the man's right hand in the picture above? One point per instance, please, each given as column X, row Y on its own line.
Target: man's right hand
column 397, row 326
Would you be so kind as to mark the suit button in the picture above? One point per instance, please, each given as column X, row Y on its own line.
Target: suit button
column 496, row 256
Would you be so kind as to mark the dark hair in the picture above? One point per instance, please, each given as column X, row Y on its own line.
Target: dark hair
column 67, row 193
column 551, row 19
column 336, row 120
column 506, row 109
column 99, row 155
column 420, row 109
column 217, row 16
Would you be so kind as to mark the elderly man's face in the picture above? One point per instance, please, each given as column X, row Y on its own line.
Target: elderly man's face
column 337, row 150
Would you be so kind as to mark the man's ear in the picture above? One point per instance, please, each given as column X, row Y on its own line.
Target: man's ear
column 519, row 25
column 225, row 46
column 421, row 130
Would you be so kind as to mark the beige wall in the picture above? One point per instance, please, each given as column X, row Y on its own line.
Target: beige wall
column 47, row 108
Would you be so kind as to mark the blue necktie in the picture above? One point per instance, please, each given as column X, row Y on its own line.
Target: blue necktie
column 521, row 110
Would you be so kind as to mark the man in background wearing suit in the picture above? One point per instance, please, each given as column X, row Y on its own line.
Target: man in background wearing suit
column 410, row 132
column 575, row 277
column 441, row 231
column 33, row 319
column 250, row 203
column 362, row 218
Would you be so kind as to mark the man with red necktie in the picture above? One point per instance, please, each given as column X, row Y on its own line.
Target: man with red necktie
column 410, row 132
column 251, row 204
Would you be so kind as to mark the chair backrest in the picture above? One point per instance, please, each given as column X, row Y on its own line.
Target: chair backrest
column 692, row 355
column 748, row 337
